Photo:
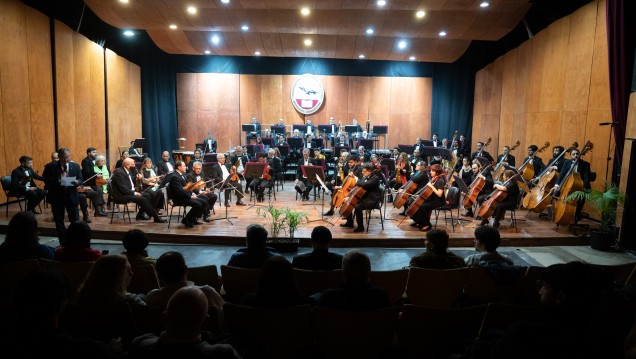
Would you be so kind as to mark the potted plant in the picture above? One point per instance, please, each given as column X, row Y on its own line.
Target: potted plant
column 605, row 202
column 275, row 216
column 293, row 220
column 282, row 219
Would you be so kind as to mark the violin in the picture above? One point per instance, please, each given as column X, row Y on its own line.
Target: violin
column 233, row 173
column 200, row 184
column 266, row 176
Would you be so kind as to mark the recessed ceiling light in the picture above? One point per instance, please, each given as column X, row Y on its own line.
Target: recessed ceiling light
column 412, row 58
column 361, row 56
column 402, row 44
column 308, row 42
column 442, row 33
column 173, row 27
column 123, row 1
column 381, row 3
column 192, row 10
column 257, row 53
column 129, row 33
column 215, row 39
column 420, row 14
column 207, row 52
column 225, row 1
column 370, row 31
column 484, row 4
column 245, row 27
column 305, row 11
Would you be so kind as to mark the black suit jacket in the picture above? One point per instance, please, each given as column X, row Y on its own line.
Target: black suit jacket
column 276, row 165
column 19, row 180
column 120, row 182
column 559, row 164
column 510, row 160
column 162, row 168
column 484, row 154
column 175, row 186
column 217, row 173
column 88, row 170
column 372, row 187
column 537, row 163
column 52, row 173
column 209, row 148
column 583, row 169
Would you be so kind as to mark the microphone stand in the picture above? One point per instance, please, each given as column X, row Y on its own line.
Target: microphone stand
column 609, row 146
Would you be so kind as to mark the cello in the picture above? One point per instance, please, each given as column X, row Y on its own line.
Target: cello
column 564, row 211
column 422, row 195
column 356, row 194
column 527, row 172
column 475, row 187
column 497, row 196
column 344, row 190
column 540, row 196
column 403, row 193
column 499, row 169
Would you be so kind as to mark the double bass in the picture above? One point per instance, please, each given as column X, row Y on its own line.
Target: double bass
column 497, row 196
column 527, row 172
column 499, row 169
column 540, row 196
column 564, row 211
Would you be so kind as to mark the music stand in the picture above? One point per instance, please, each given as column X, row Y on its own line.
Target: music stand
column 210, row 157
column 254, row 170
column 300, row 128
column 430, row 151
column 226, row 185
column 367, row 143
column 278, row 129
column 317, row 143
column 351, row 129
column 312, row 173
column 326, row 129
column 268, row 141
column 406, row 148
column 248, row 127
column 295, row 142
column 140, row 143
column 284, row 150
column 464, row 189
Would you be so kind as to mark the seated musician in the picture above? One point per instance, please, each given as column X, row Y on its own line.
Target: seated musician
column 583, row 168
column 422, row 217
column 120, row 161
column 259, row 184
column 419, row 176
column 342, row 141
column 556, row 162
column 346, row 166
column 302, row 185
column 466, row 170
column 197, row 157
column 275, row 163
column 371, row 184
column 205, row 195
column 486, row 189
column 220, row 172
column 280, row 140
column 165, row 166
column 402, row 172
column 150, row 183
column 363, row 154
column 534, row 160
column 102, row 169
column 183, row 197
column 506, row 158
column 508, row 203
column 415, row 158
column 124, row 189
column 22, row 183
column 239, row 159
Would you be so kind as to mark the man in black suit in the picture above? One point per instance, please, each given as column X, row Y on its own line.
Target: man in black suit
column 302, row 185
column 165, row 166
column 435, row 140
column 418, row 144
column 88, row 171
column 363, row 154
column 275, row 165
column 333, row 132
column 506, row 158
column 311, row 128
column 220, row 172
column 485, row 154
column 62, row 190
column 209, row 144
column 320, row 258
column 557, row 161
column 123, row 188
column 583, row 168
column 463, row 146
column 182, row 197
column 256, row 131
column 371, row 184
column 415, row 158
column 206, row 195
column 22, row 183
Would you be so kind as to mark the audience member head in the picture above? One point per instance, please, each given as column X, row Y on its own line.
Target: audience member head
column 106, row 282
column 22, row 230
column 136, row 241
column 574, row 285
column 437, row 241
column 78, row 235
column 186, row 315
column 487, row 239
column 276, row 284
column 320, row 237
column 356, row 267
column 256, row 236
column 39, row 297
column 171, row 268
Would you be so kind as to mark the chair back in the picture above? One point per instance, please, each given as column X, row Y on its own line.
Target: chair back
column 435, row 288
column 205, row 275
column 6, row 184
column 75, row 272
column 144, row 279
column 481, row 287
column 314, row 281
column 452, row 197
column 100, row 322
column 502, row 315
column 12, row 272
column 237, row 282
column 393, row 282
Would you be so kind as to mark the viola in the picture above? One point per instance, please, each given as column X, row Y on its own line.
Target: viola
column 420, row 197
column 564, row 211
column 497, row 196
column 100, row 181
column 200, row 184
column 475, row 187
column 266, row 175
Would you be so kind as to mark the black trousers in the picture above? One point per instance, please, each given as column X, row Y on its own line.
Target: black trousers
column 34, row 197
column 144, row 204
column 58, row 207
column 197, row 208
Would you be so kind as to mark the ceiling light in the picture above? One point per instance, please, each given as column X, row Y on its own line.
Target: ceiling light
column 225, row 1
column 245, row 27
column 484, row 4
column 420, row 14
column 215, row 39
column 381, row 3
column 412, row 58
column 257, row 53
column 308, row 42
column 207, row 52
column 305, row 11
column 442, row 33
column 129, row 33
column 370, row 31
column 173, row 27
column 402, row 44
column 192, row 10
column 361, row 56
column 123, row 1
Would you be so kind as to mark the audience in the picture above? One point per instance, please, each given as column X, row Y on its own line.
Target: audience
column 487, row 241
column 77, row 246
column 437, row 255
column 320, row 258
column 276, row 286
column 107, row 281
column 256, row 252
column 355, row 293
column 135, row 242
column 185, row 319
column 22, row 240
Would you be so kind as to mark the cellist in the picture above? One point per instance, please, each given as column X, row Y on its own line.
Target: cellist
column 488, row 184
column 422, row 217
column 419, row 176
column 371, row 184
column 343, row 170
column 583, row 168
column 508, row 203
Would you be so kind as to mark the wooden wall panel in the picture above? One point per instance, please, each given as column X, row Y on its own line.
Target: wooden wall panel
column 341, row 102
column 134, row 98
column 359, row 101
column 272, row 96
column 535, row 80
column 65, row 94
column 553, row 77
column 579, row 58
column 508, row 82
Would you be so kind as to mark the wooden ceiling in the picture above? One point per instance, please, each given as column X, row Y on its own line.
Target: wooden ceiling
column 337, row 28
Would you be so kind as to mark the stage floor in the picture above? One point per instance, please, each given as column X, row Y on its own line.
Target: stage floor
column 532, row 230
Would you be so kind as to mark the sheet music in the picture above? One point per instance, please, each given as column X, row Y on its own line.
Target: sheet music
column 67, row 181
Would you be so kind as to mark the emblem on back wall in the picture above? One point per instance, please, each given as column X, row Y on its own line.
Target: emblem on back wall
column 307, row 94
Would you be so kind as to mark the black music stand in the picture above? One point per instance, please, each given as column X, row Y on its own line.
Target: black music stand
column 312, row 173
column 464, row 189
column 300, row 128
column 367, row 143
column 352, row 129
column 295, row 143
column 278, row 129
column 254, row 170
column 430, row 151
column 326, row 129
column 406, row 148
column 317, row 143
column 284, row 150
column 226, row 185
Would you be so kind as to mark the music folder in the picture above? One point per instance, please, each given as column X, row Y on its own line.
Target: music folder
column 461, row 184
column 249, row 127
column 254, row 169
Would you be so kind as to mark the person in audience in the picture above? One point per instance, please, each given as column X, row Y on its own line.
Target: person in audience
column 77, row 247
column 437, row 255
column 186, row 317
column 355, row 293
column 33, row 319
column 107, row 282
column 23, row 184
column 22, row 241
column 276, row 286
column 320, row 258
column 487, row 241
column 256, row 252
column 135, row 242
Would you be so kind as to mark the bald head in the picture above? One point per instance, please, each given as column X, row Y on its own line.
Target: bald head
column 128, row 163
column 187, row 313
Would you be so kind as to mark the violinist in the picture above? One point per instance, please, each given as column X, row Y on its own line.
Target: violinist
column 238, row 160
column 363, row 154
column 485, row 154
column 419, row 176
column 150, row 184
column 488, row 186
column 220, row 172
column 535, row 161
column 583, row 168
column 259, row 184
column 275, row 163
column 302, row 185
column 205, row 194
column 182, row 197
column 422, row 217
column 375, row 162
column 506, row 158
column 510, row 202
column 371, row 184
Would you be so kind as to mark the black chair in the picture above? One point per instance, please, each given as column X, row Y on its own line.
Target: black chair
column 6, row 187
column 379, row 205
column 116, row 202
column 452, row 204
column 172, row 205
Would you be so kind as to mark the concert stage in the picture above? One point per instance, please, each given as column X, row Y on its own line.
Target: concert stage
column 532, row 230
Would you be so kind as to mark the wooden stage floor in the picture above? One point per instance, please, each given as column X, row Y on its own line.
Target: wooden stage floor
column 532, row 230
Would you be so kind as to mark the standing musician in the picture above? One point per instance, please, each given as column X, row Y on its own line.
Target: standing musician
column 422, row 217
column 302, row 185
column 371, row 184
column 488, row 186
column 260, row 183
column 510, row 202
column 150, row 184
column 536, row 162
column 484, row 154
column 184, row 198
column 22, row 183
column 506, row 158
column 221, row 171
column 583, row 168
column 209, row 144
column 205, row 195
column 463, row 146
column 165, row 166
column 419, row 176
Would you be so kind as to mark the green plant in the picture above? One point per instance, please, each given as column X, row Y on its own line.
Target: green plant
column 604, row 202
column 293, row 220
column 276, row 218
